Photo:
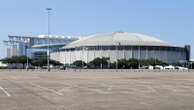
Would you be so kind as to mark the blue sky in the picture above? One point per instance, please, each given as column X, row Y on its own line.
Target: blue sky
column 169, row 20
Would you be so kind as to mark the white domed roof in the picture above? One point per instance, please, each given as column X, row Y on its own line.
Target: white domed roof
column 118, row 38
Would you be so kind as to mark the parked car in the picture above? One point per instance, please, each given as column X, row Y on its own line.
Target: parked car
column 159, row 67
column 170, row 67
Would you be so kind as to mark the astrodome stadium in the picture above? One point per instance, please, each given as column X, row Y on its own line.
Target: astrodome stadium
column 121, row 45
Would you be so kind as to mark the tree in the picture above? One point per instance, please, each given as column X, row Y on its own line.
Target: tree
column 79, row 64
column 55, row 63
column 191, row 65
column 152, row 62
column 112, row 65
column 178, row 64
column 127, row 64
column 16, row 60
column 42, row 61
column 144, row 62
column 105, row 62
column 99, row 63
column 123, row 64
column 7, row 61
column 134, row 63
column 20, row 59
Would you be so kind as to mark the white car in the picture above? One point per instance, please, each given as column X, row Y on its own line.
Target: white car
column 159, row 67
column 181, row 68
column 170, row 67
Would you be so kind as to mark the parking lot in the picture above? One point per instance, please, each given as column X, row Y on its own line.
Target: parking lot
column 98, row 90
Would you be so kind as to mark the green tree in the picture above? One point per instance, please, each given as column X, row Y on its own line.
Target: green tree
column 40, row 62
column 79, row 64
column 99, row 62
column 152, row 62
column 123, row 64
column 16, row 60
column 55, row 63
column 134, row 63
column 192, row 65
column 144, row 62
column 7, row 61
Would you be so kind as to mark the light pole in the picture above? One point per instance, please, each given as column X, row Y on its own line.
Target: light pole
column 27, row 62
column 116, row 57
column 101, row 65
column 82, row 57
column 117, row 54
column 48, row 47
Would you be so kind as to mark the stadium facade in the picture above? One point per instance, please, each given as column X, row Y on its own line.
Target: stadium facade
column 121, row 45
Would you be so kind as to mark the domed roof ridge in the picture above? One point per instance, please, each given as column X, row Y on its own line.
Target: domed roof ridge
column 123, row 38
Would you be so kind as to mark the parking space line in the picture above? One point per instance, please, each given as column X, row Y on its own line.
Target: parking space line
column 7, row 93
column 47, row 89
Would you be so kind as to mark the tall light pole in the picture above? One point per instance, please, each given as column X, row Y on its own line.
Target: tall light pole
column 117, row 54
column 48, row 35
column 27, row 60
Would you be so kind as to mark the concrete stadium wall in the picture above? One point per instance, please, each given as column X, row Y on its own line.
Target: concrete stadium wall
column 168, row 56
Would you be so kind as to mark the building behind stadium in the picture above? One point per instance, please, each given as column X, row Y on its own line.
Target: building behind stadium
column 34, row 46
column 121, row 45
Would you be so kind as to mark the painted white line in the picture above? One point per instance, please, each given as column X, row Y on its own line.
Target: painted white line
column 99, row 91
column 8, row 95
column 47, row 89
column 64, row 90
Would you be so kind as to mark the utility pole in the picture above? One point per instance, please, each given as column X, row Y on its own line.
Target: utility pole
column 48, row 47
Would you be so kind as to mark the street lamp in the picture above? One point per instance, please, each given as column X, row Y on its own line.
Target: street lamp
column 48, row 47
